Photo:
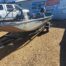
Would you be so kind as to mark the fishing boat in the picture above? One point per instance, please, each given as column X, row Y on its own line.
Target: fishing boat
column 27, row 23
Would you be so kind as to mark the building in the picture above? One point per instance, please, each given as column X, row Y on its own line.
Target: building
column 53, row 6
column 60, row 10
column 56, row 7
column 32, row 5
column 6, row 1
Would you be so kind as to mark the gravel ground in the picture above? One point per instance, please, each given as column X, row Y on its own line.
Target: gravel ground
column 43, row 50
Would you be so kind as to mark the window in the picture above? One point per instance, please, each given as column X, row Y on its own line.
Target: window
column 10, row 8
column 16, row 7
column 1, row 7
column 21, row 16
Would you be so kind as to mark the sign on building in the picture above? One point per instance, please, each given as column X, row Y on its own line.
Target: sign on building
column 52, row 2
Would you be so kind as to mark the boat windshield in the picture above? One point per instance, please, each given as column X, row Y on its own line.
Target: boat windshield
column 28, row 14
column 35, row 15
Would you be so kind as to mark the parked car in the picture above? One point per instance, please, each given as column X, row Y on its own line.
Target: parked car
column 9, row 12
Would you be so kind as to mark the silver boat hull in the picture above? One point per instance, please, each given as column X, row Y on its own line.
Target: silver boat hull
column 24, row 26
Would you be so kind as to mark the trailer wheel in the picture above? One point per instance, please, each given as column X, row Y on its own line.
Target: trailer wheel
column 47, row 29
column 47, row 26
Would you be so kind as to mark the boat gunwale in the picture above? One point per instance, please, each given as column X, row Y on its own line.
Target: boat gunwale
column 24, row 22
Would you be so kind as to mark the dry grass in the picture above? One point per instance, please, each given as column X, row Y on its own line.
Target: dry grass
column 2, row 33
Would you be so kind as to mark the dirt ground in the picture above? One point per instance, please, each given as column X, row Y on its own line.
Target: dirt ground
column 43, row 50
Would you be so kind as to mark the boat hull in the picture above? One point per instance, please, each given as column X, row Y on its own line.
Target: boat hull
column 25, row 26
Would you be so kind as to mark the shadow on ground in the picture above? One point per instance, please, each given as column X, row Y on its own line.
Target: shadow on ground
column 61, row 24
column 13, row 45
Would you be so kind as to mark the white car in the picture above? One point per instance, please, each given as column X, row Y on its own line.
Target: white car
column 9, row 11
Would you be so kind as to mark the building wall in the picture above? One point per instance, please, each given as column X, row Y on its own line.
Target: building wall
column 58, row 10
column 6, row 1
column 28, row 4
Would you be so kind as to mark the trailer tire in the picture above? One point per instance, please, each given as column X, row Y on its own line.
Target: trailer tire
column 47, row 26
column 47, row 29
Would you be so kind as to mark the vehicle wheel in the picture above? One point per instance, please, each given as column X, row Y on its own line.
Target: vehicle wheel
column 47, row 29
column 47, row 26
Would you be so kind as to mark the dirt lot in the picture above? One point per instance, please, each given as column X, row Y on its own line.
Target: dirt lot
column 43, row 50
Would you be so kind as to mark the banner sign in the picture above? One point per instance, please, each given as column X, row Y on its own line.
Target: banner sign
column 52, row 2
